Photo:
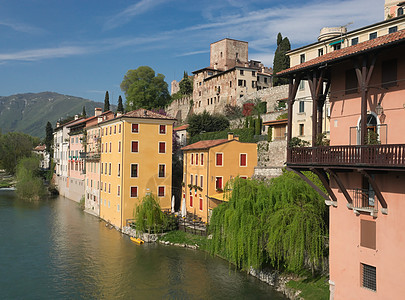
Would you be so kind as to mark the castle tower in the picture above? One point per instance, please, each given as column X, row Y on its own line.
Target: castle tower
column 227, row 53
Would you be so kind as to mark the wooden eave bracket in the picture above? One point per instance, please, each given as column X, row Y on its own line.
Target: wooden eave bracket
column 380, row 197
column 341, row 187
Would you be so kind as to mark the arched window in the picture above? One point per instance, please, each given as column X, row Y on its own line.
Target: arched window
column 400, row 11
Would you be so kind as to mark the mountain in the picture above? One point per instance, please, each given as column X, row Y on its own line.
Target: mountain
column 30, row 112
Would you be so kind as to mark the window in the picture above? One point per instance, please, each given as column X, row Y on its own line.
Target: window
column 109, row 188
column 253, row 73
column 118, row 207
column 162, row 170
column 201, row 181
column 191, row 199
column 240, row 82
column 253, row 84
column 119, row 128
column 192, row 159
column 351, row 82
column 191, row 179
column 302, row 58
column 265, row 79
column 368, row 277
column 243, row 160
column 162, row 147
column 320, row 52
column 218, row 159
column 102, row 148
column 355, row 41
column 230, row 83
column 373, row 35
column 101, row 168
column 134, row 146
column 337, row 46
column 393, row 29
column 162, row 129
column 368, row 234
column 110, row 147
column 109, row 169
column 134, row 170
column 202, row 159
column 118, row 190
column 161, row 191
column 105, row 168
column 196, row 179
column 201, row 204
column 119, row 146
column 115, row 129
column 135, row 128
column 119, row 170
column 218, row 183
column 301, row 107
column 196, row 159
column 400, row 11
column 134, row 191
column 110, row 129
column 301, row 132
column 241, row 72
column 389, row 73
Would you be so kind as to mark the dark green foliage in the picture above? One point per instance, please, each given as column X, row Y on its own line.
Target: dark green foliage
column 282, row 116
column 29, row 185
column 13, row 147
column 281, row 223
column 281, row 60
column 258, row 126
column 270, row 134
column 233, row 111
column 106, row 102
column 84, row 115
column 120, row 107
column 372, row 138
column 186, row 85
column 49, row 138
column 246, row 135
column 149, row 216
column 206, row 122
column 297, row 142
column 145, row 90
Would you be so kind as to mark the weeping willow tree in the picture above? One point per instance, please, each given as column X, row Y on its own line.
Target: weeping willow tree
column 281, row 223
column 149, row 216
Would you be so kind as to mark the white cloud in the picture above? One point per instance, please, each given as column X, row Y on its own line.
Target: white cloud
column 131, row 11
column 45, row 53
column 20, row 27
column 193, row 53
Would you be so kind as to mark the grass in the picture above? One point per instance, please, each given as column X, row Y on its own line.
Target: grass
column 311, row 288
column 181, row 237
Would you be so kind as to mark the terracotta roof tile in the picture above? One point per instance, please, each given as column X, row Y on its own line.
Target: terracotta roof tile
column 205, row 144
column 381, row 41
column 182, row 127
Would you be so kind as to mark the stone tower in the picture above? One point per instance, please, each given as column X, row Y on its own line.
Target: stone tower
column 227, row 53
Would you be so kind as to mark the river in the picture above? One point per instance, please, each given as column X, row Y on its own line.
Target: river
column 53, row 250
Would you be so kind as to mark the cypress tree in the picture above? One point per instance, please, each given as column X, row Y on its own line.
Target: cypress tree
column 106, row 102
column 84, row 112
column 281, row 60
column 49, row 137
column 120, row 107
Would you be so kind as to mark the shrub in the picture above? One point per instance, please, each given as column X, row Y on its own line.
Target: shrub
column 149, row 216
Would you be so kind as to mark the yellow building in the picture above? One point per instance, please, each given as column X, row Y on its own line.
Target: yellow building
column 208, row 165
column 136, row 159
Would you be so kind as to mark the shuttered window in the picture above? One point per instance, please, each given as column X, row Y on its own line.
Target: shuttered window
column 135, row 128
column 135, row 146
column 243, row 160
column 134, row 191
column 162, row 147
column 161, row 191
column 218, row 159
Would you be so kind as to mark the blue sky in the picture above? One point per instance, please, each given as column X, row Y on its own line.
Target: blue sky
column 85, row 47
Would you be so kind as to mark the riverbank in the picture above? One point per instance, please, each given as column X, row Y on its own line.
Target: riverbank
column 295, row 287
column 6, row 180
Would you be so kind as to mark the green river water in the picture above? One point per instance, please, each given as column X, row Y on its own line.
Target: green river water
column 53, row 250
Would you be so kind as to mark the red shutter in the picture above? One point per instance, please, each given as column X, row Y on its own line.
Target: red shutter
column 218, row 183
column 191, row 199
column 202, row 159
column 192, row 158
column 134, row 191
column 196, row 158
column 162, row 129
column 135, row 128
column 243, row 160
column 201, row 204
column 219, row 159
column 162, row 147
column 134, row 146
column 161, row 191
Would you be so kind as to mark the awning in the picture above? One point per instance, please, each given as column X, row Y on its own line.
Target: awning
column 221, row 196
column 337, row 42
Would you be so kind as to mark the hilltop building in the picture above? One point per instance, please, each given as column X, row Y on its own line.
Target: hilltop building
column 136, row 160
column 363, row 168
column 208, row 166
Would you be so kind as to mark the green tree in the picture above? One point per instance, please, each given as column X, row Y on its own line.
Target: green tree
column 49, row 138
column 29, row 185
column 84, row 112
column 106, row 101
column 120, row 107
column 186, row 85
column 145, row 90
column 13, row 147
column 149, row 216
column 205, row 122
column 281, row 60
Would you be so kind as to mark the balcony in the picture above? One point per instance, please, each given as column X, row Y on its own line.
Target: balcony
column 364, row 201
column 91, row 156
column 361, row 156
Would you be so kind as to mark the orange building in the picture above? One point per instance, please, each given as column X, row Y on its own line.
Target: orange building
column 136, row 159
column 363, row 169
column 208, row 165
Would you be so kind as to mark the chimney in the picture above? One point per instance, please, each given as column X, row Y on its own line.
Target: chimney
column 97, row 111
column 76, row 117
column 230, row 136
column 57, row 124
column 119, row 114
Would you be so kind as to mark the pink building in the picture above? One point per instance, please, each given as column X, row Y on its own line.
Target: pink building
column 363, row 169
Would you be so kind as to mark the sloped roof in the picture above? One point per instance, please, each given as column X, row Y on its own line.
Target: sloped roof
column 205, row 144
column 146, row 114
column 382, row 41
column 40, row 148
column 276, row 122
column 182, row 127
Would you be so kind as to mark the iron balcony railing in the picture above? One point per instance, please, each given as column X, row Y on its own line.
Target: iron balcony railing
column 371, row 155
column 364, row 200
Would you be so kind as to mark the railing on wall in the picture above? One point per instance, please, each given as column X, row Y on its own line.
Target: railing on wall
column 375, row 155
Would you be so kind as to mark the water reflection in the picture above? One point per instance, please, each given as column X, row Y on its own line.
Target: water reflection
column 55, row 251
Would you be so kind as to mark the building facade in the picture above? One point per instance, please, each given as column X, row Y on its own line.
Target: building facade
column 363, row 168
column 136, row 160
column 208, row 166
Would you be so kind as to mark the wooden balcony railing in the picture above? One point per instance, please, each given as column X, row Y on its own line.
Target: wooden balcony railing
column 371, row 155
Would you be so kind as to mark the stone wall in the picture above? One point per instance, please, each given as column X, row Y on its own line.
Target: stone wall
column 270, row 95
column 271, row 158
column 180, row 109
